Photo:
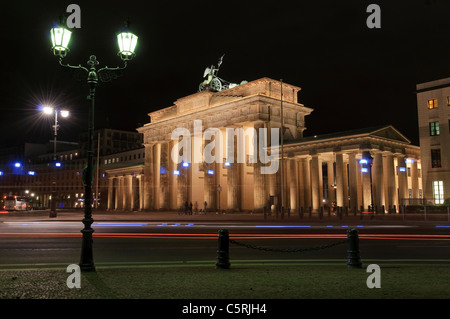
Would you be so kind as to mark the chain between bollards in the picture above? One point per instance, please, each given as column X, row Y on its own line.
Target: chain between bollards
column 353, row 257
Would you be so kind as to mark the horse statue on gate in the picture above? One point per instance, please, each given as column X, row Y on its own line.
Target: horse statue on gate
column 212, row 82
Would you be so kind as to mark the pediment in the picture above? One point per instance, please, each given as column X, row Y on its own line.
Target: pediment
column 389, row 132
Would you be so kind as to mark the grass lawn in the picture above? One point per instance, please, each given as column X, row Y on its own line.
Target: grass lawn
column 242, row 281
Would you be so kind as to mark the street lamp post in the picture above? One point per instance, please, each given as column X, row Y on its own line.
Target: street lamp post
column 127, row 43
column 219, row 189
column 49, row 110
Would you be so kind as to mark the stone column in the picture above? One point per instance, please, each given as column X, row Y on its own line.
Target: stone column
column 340, row 180
column 233, row 178
column 331, row 182
column 377, row 180
column 140, row 192
column 291, row 174
column 389, row 170
column 366, row 178
column 353, row 182
column 402, row 178
column 414, row 178
column 301, row 183
column 307, row 179
column 134, row 205
column 110, row 193
column 315, row 183
column 345, row 174
column 157, row 175
column 127, row 192
column 173, row 181
column 148, row 192
column 259, row 195
column 209, row 187
column 120, row 195
column 165, row 160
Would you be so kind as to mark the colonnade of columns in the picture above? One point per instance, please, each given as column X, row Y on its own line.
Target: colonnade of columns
column 311, row 178
column 225, row 184
column 125, row 192
column 384, row 184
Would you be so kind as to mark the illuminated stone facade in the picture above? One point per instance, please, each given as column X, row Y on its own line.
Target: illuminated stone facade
column 316, row 170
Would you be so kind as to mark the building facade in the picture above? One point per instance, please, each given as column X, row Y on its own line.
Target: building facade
column 34, row 171
column 314, row 171
column 433, row 106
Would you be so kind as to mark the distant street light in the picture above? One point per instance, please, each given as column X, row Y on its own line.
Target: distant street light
column 64, row 113
column 127, row 41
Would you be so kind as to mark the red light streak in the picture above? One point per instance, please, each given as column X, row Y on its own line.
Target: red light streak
column 234, row 236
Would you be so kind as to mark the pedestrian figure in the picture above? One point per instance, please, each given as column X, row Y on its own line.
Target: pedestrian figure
column 196, row 207
column 186, row 207
column 205, row 204
column 190, row 208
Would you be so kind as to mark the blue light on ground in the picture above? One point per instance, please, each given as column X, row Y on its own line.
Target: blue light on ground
column 121, row 224
column 285, row 226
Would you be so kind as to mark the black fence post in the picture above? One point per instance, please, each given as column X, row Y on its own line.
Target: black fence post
column 353, row 258
column 223, row 255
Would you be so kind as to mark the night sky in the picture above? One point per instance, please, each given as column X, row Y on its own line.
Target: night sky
column 352, row 76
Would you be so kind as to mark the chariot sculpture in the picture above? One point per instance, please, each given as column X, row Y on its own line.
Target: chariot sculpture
column 212, row 82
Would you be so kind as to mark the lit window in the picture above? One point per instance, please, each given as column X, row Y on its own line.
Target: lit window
column 438, row 192
column 448, row 100
column 432, row 104
column 435, row 158
column 434, row 128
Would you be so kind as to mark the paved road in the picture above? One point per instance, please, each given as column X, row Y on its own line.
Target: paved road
column 134, row 238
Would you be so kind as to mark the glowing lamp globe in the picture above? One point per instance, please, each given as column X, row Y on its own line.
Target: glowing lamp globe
column 60, row 41
column 127, row 44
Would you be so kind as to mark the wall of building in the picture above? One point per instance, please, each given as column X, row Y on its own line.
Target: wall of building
column 438, row 92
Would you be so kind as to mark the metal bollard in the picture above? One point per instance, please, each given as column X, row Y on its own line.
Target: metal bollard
column 223, row 255
column 353, row 258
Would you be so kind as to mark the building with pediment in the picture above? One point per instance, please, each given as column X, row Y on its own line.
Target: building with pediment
column 315, row 171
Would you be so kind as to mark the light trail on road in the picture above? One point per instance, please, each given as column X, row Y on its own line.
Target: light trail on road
column 232, row 236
